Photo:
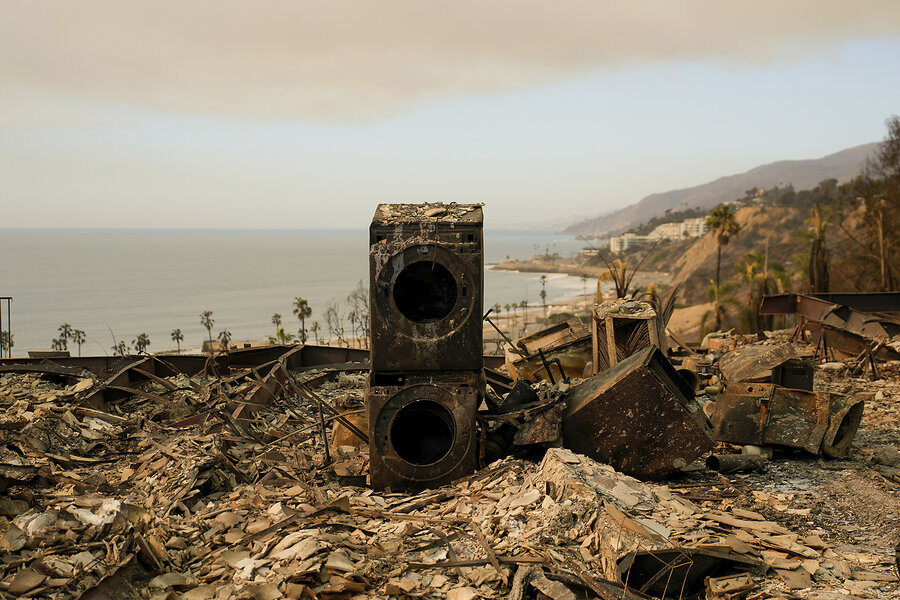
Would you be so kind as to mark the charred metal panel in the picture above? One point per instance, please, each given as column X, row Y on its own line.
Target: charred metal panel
column 765, row 414
column 422, row 428
column 844, row 416
column 558, row 351
column 639, row 417
column 796, row 373
column 752, row 362
column 426, row 268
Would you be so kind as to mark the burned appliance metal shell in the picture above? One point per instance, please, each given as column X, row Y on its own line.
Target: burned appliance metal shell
column 425, row 414
column 639, row 416
column 765, row 414
column 447, row 334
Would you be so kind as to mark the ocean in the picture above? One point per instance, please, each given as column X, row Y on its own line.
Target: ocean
column 116, row 284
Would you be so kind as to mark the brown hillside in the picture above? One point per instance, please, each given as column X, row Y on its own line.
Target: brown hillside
column 777, row 225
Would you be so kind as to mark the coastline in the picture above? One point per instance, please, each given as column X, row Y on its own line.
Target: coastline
column 641, row 278
column 564, row 267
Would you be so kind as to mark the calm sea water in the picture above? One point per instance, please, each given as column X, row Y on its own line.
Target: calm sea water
column 122, row 283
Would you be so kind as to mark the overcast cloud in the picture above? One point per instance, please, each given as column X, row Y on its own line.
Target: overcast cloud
column 364, row 61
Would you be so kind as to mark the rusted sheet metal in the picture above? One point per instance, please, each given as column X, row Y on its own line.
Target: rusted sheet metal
column 844, row 416
column 755, row 361
column 768, row 415
column 868, row 325
column 554, row 336
column 426, row 269
column 46, row 368
column 566, row 349
column 639, row 416
column 421, row 428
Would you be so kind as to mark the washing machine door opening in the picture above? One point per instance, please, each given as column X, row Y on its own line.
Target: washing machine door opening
column 422, row 433
column 425, row 292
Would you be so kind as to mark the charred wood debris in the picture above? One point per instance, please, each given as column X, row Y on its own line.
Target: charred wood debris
column 606, row 460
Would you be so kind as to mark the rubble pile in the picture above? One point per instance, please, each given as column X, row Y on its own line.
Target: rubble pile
column 165, row 493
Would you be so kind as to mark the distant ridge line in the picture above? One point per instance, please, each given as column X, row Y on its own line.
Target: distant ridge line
column 802, row 174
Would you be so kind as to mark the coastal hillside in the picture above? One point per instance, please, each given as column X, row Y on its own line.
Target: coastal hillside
column 802, row 174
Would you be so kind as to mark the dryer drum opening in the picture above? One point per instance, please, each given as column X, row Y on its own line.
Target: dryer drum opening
column 425, row 292
column 422, row 433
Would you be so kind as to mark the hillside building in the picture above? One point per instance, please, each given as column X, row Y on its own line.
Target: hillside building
column 689, row 228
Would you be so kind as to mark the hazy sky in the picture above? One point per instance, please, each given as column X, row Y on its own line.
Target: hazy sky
column 290, row 114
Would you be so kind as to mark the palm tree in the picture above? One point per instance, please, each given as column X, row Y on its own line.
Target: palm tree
column 544, row 294
column 315, row 329
column 65, row 332
column 302, row 311
column 584, row 280
column 763, row 277
column 506, row 307
column 283, row 337
column 140, row 344
column 722, row 221
column 748, row 270
column 718, row 295
column 524, row 305
column 6, row 343
column 224, row 337
column 78, row 338
column 120, row 349
column 177, row 337
column 207, row 321
column 818, row 253
column 276, row 321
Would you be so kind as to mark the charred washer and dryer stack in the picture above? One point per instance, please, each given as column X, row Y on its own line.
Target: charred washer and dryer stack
column 426, row 269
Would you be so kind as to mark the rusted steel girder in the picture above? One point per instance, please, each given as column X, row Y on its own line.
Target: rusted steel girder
column 878, row 302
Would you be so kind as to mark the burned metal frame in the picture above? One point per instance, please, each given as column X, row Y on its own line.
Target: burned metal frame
column 838, row 316
column 879, row 302
column 265, row 365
